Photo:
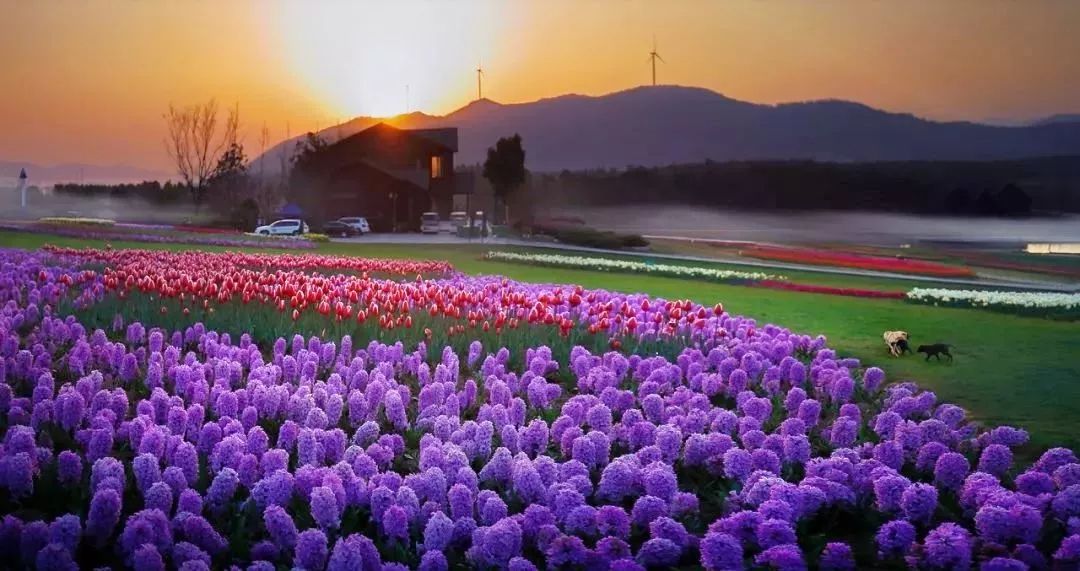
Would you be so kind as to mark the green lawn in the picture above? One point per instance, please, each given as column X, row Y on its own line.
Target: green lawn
column 1008, row 369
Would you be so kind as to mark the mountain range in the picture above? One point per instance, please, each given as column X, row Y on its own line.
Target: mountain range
column 651, row 126
column 661, row 125
column 47, row 175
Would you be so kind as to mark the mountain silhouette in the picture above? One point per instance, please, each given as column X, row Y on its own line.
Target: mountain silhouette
column 651, row 126
column 47, row 175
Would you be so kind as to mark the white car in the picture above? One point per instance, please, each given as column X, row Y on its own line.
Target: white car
column 358, row 222
column 286, row 227
column 429, row 223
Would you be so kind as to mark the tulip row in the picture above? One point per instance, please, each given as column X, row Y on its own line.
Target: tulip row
column 1043, row 304
column 829, row 290
column 76, row 221
column 860, row 261
column 613, row 265
column 301, row 286
column 149, row 446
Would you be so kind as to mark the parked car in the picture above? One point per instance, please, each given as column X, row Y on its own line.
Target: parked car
column 457, row 220
column 286, row 227
column 358, row 222
column 429, row 223
column 478, row 227
column 339, row 228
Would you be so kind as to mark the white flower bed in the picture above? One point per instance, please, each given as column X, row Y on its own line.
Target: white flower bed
column 997, row 299
column 607, row 264
column 75, row 221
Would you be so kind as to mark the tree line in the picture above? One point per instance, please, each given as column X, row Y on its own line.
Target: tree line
column 152, row 191
column 990, row 188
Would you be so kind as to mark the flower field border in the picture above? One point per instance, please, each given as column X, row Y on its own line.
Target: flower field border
column 557, row 427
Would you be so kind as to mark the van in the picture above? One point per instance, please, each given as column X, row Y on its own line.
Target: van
column 429, row 223
column 457, row 220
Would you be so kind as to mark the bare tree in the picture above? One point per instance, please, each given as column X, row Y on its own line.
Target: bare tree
column 195, row 141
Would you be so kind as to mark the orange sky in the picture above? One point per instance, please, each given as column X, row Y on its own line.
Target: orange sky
column 88, row 80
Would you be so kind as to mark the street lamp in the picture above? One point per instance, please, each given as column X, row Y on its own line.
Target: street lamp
column 22, row 187
column 393, row 211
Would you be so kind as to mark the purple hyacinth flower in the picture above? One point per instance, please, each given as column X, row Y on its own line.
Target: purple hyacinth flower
column 950, row 470
column 279, row 524
column 919, row 502
column 324, row 508
column 782, row 558
column 895, row 538
column 948, row 546
column 311, row 550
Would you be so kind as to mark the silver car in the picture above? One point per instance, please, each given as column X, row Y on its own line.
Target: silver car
column 358, row 222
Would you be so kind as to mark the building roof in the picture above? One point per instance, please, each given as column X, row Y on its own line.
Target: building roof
column 397, row 153
column 384, row 135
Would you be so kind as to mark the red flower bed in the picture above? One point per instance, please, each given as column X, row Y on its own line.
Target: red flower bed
column 846, row 260
column 988, row 261
column 850, row 292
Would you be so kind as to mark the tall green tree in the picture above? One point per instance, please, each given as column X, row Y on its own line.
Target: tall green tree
column 505, row 169
column 230, row 187
column 231, row 166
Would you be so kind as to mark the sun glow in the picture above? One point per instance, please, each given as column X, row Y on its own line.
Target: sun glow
column 383, row 59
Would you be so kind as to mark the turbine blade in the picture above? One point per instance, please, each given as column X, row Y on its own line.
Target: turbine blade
column 660, row 58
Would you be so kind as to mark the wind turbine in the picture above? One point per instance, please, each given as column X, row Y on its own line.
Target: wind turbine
column 653, row 56
column 479, row 81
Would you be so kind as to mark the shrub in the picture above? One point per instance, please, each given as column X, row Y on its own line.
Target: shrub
column 590, row 238
column 75, row 221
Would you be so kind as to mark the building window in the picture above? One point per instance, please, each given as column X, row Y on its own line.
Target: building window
column 436, row 167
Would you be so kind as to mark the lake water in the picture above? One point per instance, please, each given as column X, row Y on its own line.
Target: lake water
column 877, row 228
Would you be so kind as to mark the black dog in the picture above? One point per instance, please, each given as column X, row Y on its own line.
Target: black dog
column 902, row 346
column 935, row 350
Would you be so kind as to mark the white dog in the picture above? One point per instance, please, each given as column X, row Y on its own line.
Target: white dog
column 897, row 341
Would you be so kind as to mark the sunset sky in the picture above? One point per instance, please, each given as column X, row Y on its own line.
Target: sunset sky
column 87, row 81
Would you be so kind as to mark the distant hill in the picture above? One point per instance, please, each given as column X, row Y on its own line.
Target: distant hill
column 652, row 126
column 1060, row 118
column 48, row 175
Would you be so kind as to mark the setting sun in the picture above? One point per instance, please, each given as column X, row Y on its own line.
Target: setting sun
column 374, row 59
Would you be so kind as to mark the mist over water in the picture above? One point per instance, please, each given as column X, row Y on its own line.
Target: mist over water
column 118, row 208
column 876, row 228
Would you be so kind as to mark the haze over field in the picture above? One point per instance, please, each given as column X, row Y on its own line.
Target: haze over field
column 879, row 228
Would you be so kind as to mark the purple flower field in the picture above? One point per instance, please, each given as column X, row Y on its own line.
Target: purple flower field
column 132, row 446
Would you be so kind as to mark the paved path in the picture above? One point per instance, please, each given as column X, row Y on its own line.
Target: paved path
column 975, row 282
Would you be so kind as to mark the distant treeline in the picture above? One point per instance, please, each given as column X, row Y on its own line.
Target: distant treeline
column 990, row 188
column 150, row 191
